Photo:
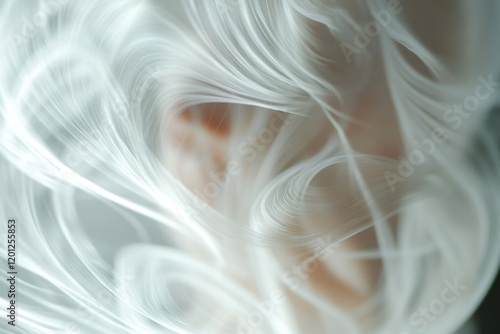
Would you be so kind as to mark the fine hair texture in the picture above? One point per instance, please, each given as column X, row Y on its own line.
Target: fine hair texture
column 354, row 188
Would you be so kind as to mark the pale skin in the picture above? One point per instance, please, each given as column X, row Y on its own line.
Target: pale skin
column 374, row 130
column 208, row 126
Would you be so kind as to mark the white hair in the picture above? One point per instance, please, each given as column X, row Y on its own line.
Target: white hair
column 355, row 191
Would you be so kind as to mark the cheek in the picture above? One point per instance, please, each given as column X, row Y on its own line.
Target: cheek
column 376, row 130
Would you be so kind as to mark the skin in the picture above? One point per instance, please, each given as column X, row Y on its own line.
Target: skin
column 209, row 126
column 373, row 130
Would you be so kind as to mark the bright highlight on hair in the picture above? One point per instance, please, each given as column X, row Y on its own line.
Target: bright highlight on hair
column 250, row 166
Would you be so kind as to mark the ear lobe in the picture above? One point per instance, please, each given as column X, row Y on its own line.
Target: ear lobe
column 214, row 117
column 197, row 143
